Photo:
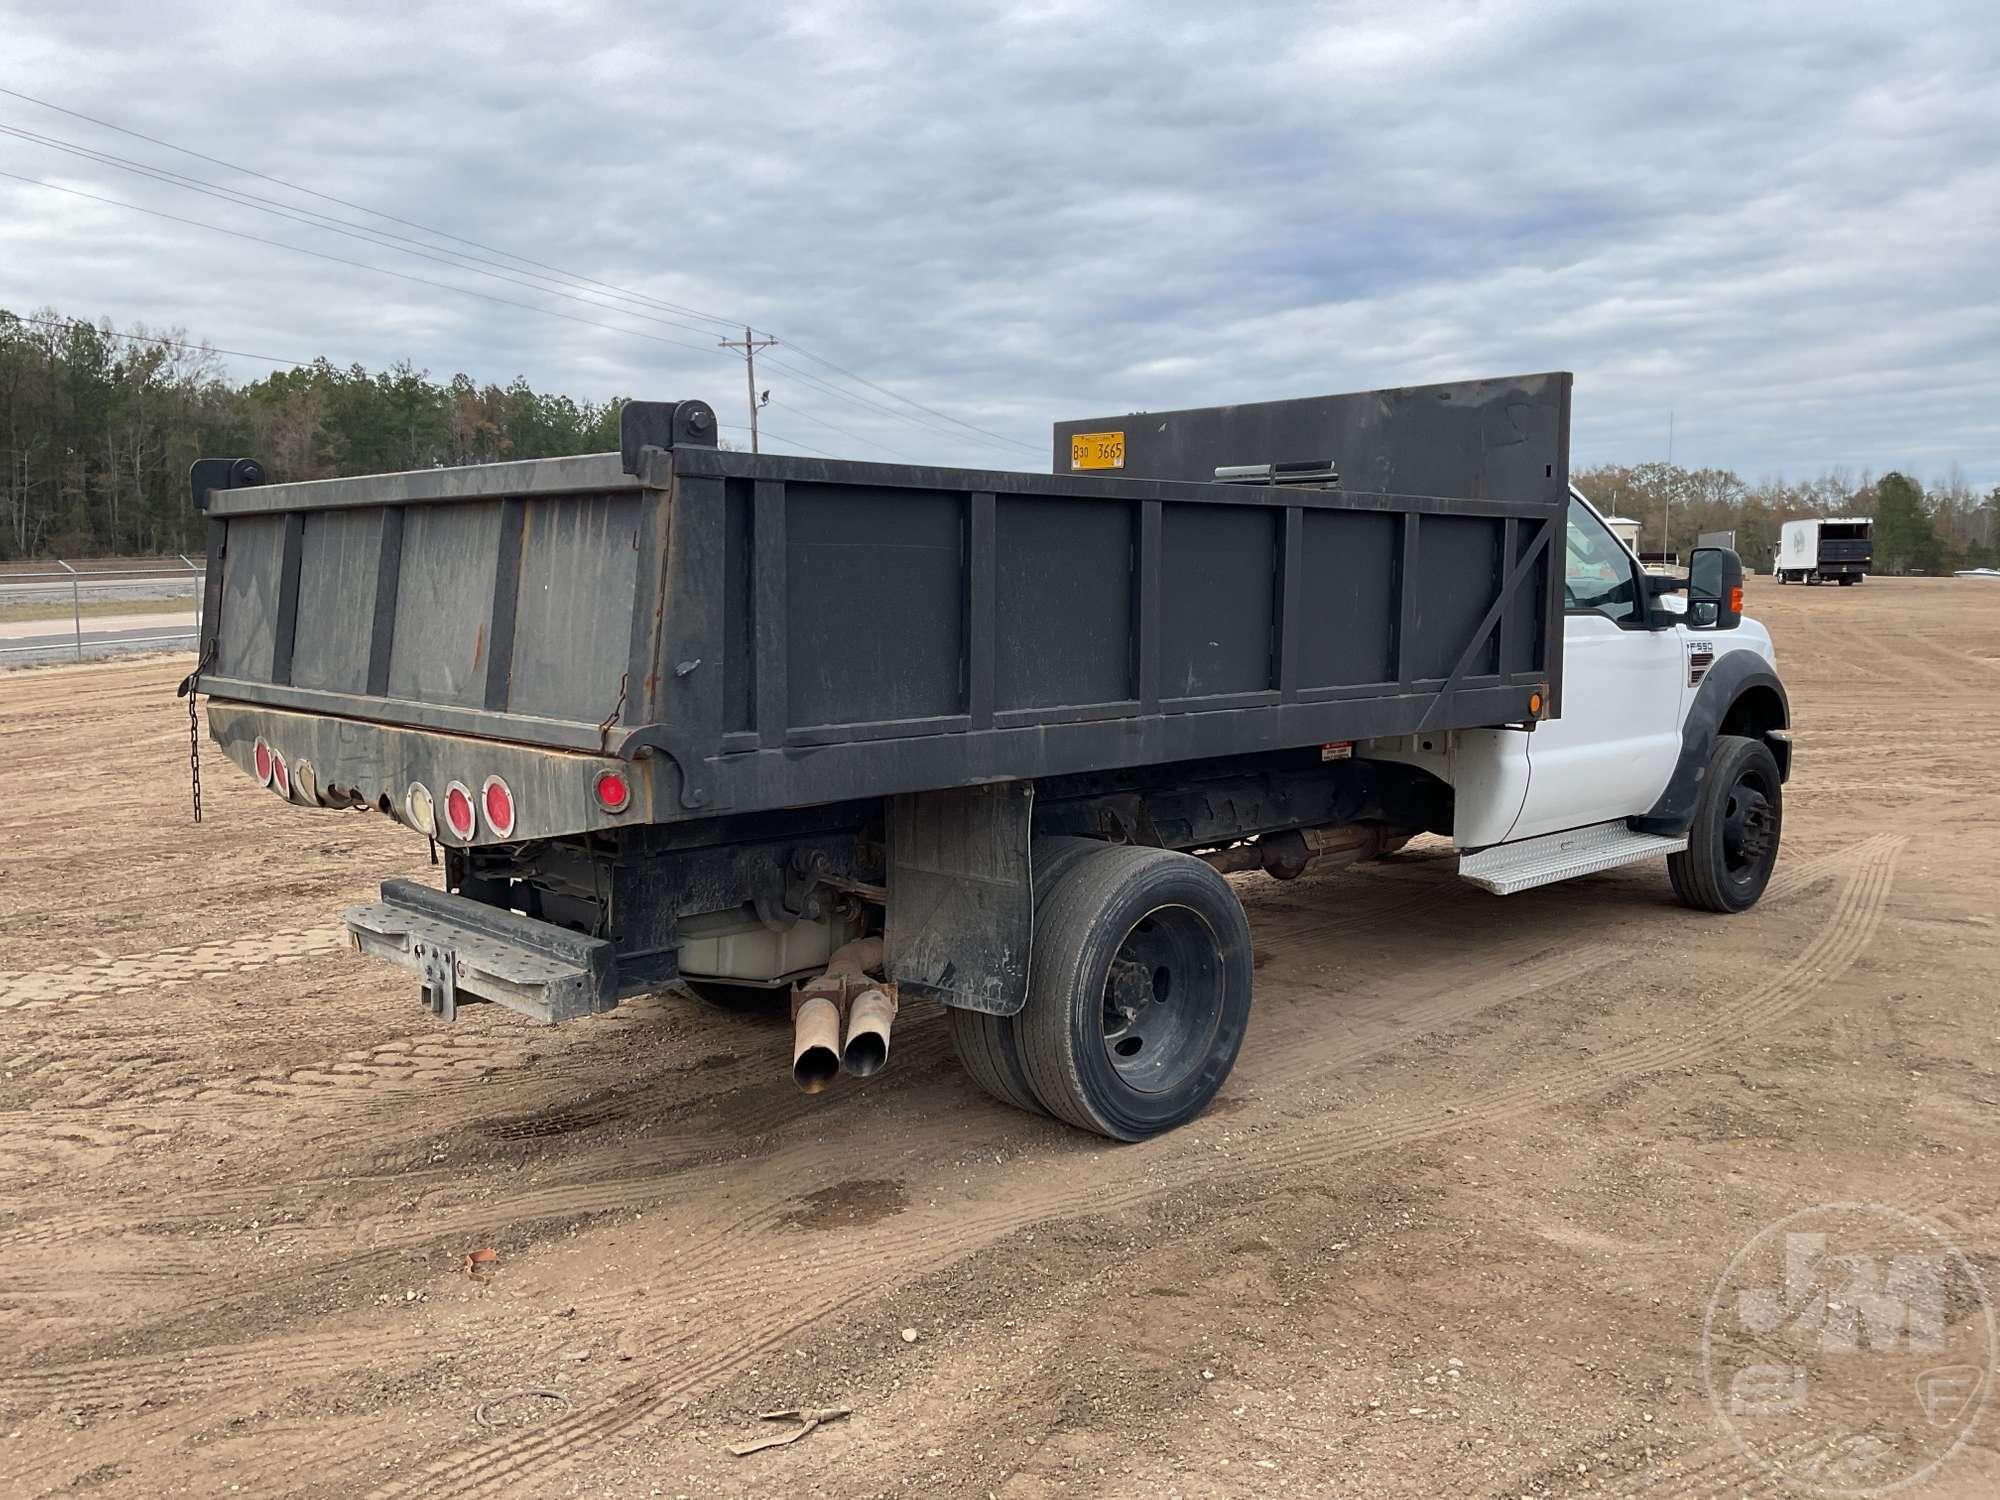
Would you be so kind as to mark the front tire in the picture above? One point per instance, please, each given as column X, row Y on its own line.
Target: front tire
column 1738, row 819
column 1138, row 992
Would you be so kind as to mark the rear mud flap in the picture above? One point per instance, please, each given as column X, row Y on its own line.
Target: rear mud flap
column 463, row 951
column 961, row 898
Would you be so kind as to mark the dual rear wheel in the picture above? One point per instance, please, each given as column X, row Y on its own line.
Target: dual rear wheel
column 1138, row 993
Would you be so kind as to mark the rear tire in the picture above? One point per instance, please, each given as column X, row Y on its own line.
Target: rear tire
column 1738, row 820
column 1138, row 992
column 1849, row 582
column 988, row 1045
column 989, row 1049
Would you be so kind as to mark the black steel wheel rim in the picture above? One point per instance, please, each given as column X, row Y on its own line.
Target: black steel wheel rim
column 1163, row 997
column 1749, row 825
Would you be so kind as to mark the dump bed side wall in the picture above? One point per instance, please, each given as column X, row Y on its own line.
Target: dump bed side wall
column 886, row 628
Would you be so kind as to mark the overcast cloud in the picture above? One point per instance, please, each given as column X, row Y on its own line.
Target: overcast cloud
column 1779, row 222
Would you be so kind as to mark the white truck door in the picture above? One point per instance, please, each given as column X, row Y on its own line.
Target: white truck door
column 1613, row 750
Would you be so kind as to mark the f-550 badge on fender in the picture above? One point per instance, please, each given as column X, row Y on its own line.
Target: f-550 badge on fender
column 1701, row 656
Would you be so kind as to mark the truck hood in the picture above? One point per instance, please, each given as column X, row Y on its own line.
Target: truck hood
column 1751, row 635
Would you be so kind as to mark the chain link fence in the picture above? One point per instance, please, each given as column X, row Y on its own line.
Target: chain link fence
column 59, row 610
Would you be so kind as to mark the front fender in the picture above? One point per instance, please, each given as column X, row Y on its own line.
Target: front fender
column 1735, row 674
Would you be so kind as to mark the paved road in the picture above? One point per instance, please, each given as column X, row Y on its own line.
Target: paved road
column 106, row 635
column 54, row 589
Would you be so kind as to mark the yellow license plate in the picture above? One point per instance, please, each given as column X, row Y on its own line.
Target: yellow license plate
column 1097, row 450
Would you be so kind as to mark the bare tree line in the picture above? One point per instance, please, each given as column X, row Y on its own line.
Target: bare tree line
column 1918, row 529
column 98, row 427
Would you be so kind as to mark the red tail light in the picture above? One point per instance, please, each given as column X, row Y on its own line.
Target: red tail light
column 614, row 792
column 281, row 779
column 498, row 804
column 261, row 756
column 459, row 815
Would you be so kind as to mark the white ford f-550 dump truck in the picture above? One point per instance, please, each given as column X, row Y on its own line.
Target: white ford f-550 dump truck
column 853, row 733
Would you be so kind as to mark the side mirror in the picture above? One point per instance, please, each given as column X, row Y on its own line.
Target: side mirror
column 1715, row 589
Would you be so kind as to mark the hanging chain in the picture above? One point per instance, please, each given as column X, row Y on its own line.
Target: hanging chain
column 194, row 754
column 191, row 688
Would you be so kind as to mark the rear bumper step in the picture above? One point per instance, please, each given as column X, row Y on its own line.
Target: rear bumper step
column 1506, row 868
column 464, row 950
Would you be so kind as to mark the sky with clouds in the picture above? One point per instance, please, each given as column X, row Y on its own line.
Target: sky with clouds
column 1779, row 223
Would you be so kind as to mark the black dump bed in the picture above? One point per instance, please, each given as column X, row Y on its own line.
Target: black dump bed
column 760, row 632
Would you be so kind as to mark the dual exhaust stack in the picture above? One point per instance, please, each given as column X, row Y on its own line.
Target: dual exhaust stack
column 844, row 993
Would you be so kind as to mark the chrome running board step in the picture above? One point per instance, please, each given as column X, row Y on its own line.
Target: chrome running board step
column 1504, row 869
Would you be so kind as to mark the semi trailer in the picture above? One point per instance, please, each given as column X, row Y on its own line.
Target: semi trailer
column 1838, row 550
column 861, row 734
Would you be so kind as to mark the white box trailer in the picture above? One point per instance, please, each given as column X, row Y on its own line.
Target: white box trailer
column 1839, row 549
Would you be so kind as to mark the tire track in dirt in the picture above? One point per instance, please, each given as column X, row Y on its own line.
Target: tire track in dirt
column 1832, row 951
column 37, row 989
column 112, row 1379
column 619, row 1190
column 882, row 1258
column 1953, row 659
column 1722, row 1467
column 671, row 1157
column 1513, row 971
column 431, row 1065
column 1863, row 651
column 311, row 1356
column 429, row 1074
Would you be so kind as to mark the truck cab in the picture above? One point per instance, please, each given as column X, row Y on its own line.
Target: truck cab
column 1651, row 676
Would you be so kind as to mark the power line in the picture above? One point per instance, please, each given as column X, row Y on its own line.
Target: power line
column 344, row 203
column 908, row 401
column 570, row 276
column 229, row 195
column 826, row 388
column 361, row 265
column 143, row 338
column 781, row 438
column 312, row 219
column 843, row 431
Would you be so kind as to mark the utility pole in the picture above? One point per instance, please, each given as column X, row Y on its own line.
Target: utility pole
column 1667, row 508
column 750, row 346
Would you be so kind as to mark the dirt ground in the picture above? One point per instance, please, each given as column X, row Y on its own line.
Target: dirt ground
column 1451, row 1229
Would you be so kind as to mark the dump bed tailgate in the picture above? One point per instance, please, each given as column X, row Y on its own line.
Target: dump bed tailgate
column 518, row 601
